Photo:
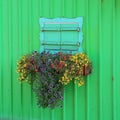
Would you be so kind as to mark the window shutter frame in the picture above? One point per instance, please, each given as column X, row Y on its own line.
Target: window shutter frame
column 61, row 21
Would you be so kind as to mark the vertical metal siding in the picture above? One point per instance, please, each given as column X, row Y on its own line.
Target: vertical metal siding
column 99, row 98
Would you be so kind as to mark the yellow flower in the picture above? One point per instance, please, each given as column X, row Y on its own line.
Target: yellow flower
column 24, row 65
column 59, row 81
column 18, row 70
column 62, row 78
column 18, row 63
column 76, row 61
column 65, row 65
column 81, row 82
column 68, row 80
column 65, row 83
column 78, row 66
column 76, row 77
column 65, row 75
column 66, row 71
column 76, row 57
column 26, row 80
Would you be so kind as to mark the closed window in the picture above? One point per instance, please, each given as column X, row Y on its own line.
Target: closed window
column 61, row 34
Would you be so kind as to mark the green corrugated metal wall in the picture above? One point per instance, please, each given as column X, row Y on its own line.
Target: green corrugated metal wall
column 99, row 98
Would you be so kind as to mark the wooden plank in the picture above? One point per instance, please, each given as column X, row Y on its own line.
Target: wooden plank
column 26, row 88
column 92, row 43
column 45, row 12
column 57, row 12
column 116, row 60
column 6, row 61
column 69, row 89
column 15, row 34
column 80, row 92
column 1, row 65
column 107, row 68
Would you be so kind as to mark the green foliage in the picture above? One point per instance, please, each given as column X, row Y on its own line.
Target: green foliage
column 48, row 73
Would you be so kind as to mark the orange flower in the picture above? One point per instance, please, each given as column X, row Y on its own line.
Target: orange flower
column 52, row 65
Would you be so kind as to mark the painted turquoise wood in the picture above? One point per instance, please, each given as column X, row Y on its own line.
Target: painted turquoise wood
column 99, row 98
column 61, row 34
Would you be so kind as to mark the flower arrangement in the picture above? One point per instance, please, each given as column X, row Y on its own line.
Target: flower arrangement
column 48, row 73
column 77, row 67
column 27, row 67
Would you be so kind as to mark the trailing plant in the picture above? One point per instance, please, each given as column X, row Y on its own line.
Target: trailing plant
column 48, row 73
column 49, row 91
column 76, row 68
column 27, row 67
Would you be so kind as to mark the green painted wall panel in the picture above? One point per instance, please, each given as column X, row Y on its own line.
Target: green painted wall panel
column 99, row 98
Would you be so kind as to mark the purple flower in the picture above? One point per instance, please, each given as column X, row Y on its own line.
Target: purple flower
column 51, row 85
column 53, row 99
column 49, row 91
column 49, row 75
column 60, row 97
column 47, row 87
column 41, row 69
column 47, row 63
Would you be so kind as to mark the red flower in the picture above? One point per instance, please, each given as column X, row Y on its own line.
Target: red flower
column 35, row 66
column 60, row 64
column 36, row 70
column 64, row 58
column 52, row 65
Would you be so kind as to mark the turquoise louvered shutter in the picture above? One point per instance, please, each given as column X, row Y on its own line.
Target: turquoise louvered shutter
column 61, row 34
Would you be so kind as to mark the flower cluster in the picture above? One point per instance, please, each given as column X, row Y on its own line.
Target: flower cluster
column 48, row 73
column 49, row 91
column 27, row 67
column 78, row 66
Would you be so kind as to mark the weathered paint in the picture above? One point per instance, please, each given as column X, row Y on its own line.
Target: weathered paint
column 99, row 98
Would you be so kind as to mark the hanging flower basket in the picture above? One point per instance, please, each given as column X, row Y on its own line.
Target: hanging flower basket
column 49, row 73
